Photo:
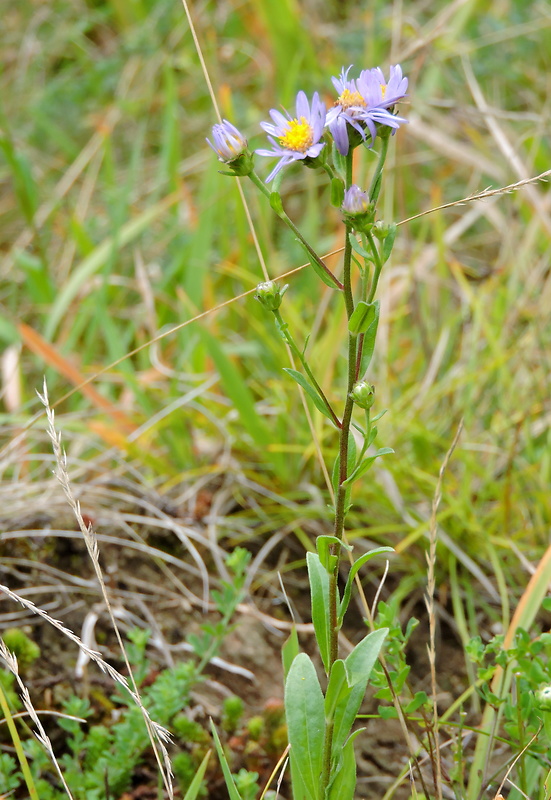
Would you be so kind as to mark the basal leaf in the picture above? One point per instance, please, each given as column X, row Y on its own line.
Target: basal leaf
column 304, row 710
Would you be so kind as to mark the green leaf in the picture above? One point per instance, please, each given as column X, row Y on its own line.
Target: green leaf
column 304, row 710
column 322, row 546
column 195, row 785
column 337, row 468
column 369, row 341
column 276, row 203
column 388, row 243
column 228, row 777
column 366, row 464
column 343, row 783
column 319, row 591
column 418, row 700
column 362, row 317
column 387, row 712
column 361, row 660
column 352, row 574
column 335, row 687
column 290, row 651
column 337, row 192
column 310, row 390
column 318, row 269
column 358, row 666
column 357, row 247
column 339, row 161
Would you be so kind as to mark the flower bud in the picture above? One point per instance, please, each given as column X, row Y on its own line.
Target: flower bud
column 381, row 229
column 357, row 210
column 363, row 394
column 231, row 147
column 270, row 294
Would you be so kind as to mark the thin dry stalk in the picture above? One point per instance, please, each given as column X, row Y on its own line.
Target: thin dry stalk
column 90, row 541
column 41, row 735
column 429, row 600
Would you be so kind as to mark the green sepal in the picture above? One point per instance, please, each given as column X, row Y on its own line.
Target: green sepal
column 304, row 710
column 276, row 203
column 310, row 391
column 318, row 578
column 352, row 574
column 366, row 464
column 369, row 340
column 362, row 317
column 228, row 777
column 337, row 192
column 388, row 243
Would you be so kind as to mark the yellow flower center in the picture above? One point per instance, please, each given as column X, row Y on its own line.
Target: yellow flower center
column 298, row 136
column 348, row 99
column 383, row 90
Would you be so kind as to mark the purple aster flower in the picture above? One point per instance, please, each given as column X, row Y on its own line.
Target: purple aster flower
column 295, row 138
column 229, row 143
column 364, row 103
column 376, row 92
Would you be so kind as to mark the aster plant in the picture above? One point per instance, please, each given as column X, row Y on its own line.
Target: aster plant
column 363, row 116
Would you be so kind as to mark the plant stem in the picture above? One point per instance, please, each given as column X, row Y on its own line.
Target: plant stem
column 375, row 187
column 341, row 494
column 289, row 222
column 284, row 330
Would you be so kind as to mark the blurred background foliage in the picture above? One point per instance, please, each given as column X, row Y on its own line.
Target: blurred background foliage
column 115, row 226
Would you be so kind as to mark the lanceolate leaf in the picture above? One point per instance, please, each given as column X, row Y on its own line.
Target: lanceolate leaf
column 310, row 391
column 343, row 785
column 369, row 341
column 363, row 317
column 304, row 710
column 352, row 574
column 388, row 243
column 196, row 784
column 366, row 464
column 319, row 590
column 358, row 666
column 228, row 777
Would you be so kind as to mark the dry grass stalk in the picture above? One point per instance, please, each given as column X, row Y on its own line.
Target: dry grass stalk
column 157, row 734
column 11, row 663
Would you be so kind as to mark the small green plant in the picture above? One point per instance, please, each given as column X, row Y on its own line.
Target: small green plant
column 92, row 760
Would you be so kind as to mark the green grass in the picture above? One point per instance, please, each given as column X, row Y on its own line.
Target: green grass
column 115, row 226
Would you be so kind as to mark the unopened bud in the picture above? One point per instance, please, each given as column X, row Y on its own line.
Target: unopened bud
column 363, row 394
column 381, row 230
column 357, row 210
column 231, row 147
column 270, row 294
